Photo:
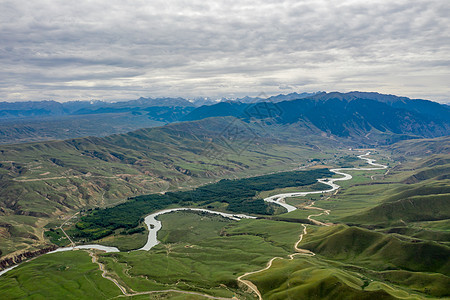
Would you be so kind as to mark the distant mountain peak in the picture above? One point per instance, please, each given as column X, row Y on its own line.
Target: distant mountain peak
column 385, row 98
column 354, row 115
column 277, row 98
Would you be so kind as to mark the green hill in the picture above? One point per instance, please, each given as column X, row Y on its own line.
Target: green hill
column 421, row 195
column 439, row 171
column 420, row 148
column 397, row 246
column 45, row 181
column 310, row 279
column 410, row 209
column 379, row 251
column 365, row 118
column 70, row 174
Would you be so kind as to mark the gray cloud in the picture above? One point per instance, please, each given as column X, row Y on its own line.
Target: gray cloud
column 121, row 50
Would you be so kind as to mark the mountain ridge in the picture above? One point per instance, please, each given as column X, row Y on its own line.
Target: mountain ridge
column 353, row 115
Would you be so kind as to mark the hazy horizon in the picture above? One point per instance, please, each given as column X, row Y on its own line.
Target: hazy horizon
column 111, row 50
column 212, row 99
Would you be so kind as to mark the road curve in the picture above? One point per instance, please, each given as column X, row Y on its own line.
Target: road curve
column 279, row 199
column 104, row 273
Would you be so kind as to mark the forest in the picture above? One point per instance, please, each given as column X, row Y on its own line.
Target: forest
column 238, row 194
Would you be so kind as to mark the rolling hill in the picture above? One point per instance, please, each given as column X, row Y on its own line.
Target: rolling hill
column 367, row 118
column 386, row 236
column 56, row 178
column 50, row 120
column 379, row 222
column 422, row 193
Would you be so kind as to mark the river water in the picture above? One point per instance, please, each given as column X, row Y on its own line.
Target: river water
column 280, row 198
column 154, row 225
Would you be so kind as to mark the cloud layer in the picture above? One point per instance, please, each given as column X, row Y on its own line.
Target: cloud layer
column 112, row 49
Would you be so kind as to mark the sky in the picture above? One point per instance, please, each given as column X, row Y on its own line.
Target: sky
column 122, row 50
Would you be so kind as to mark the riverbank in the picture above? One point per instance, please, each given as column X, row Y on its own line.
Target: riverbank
column 154, row 225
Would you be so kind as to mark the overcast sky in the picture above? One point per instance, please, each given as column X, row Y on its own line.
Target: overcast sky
column 119, row 50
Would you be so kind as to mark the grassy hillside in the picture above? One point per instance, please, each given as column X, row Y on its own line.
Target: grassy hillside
column 68, row 275
column 420, row 148
column 390, row 235
column 429, row 173
column 319, row 278
column 389, row 239
column 81, row 170
column 409, row 209
column 308, row 278
column 64, row 127
column 421, row 194
column 378, row 251
column 43, row 183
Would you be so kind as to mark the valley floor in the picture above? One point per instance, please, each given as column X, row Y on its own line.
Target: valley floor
column 362, row 243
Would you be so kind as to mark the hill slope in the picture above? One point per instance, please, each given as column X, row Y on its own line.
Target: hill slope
column 364, row 117
column 49, row 120
column 56, row 178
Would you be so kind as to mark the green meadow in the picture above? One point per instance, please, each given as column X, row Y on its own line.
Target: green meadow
column 389, row 241
column 203, row 253
column 55, row 179
column 63, row 275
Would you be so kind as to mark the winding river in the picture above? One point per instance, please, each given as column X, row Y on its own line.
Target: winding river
column 154, row 225
column 279, row 199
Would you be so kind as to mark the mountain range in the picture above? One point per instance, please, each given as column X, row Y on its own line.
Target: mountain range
column 371, row 118
column 10, row 110
column 94, row 187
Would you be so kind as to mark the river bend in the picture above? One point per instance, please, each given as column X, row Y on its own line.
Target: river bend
column 154, row 225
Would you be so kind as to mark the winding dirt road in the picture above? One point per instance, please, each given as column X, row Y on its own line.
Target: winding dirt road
column 133, row 293
column 279, row 199
column 104, row 273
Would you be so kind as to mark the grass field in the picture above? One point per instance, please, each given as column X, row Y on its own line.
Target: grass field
column 125, row 242
column 190, row 227
column 200, row 252
column 317, row 278
column 204, row 253
column 64, row 275
column 57, row 178
column 371, row 253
